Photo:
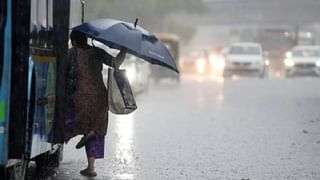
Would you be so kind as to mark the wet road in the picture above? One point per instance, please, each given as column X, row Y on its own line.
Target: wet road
column 212, row 129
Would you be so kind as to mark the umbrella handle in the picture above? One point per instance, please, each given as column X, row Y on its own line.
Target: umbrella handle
column 136, row 22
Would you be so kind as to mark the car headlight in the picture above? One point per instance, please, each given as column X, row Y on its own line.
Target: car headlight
column 318, row 63
column 267, row 62
column 218, row 63
column 201, row 63
column 289, row 63
column 131, row 74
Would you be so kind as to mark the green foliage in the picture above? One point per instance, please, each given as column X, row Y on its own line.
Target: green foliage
column 184, row 29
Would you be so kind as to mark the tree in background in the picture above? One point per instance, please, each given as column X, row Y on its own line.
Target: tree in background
column 185, row 29
column 154, row 15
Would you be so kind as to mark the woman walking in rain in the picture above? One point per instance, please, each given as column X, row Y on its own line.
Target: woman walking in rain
column 87, row 111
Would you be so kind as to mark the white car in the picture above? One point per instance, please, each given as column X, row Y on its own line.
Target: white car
column 245, row 58
column 303, row 60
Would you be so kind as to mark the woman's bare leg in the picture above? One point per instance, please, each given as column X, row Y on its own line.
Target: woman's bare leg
column 90, row 170
column 91, row 161
column 94, row 149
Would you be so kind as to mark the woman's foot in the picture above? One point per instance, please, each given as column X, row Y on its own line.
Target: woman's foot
column 83, row 141
column 88, row 173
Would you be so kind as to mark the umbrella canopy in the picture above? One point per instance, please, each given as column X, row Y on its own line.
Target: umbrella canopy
column 138, row 41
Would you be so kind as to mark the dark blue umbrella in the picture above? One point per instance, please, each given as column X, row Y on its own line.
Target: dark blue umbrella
column 138, row 41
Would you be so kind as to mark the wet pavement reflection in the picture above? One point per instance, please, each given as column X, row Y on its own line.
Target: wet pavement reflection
column 124, row 145
column 212, row 128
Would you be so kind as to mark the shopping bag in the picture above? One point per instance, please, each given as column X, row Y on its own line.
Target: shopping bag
column 120, row 96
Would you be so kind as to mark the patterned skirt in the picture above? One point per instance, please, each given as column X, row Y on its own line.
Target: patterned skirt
column 95, row 147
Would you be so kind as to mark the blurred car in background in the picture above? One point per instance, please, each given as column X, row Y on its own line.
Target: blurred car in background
column 196, row 62
column 171, row 41
column 245, row 59
column 217, row 60
column 303, row 60
column 203, row 61
column 193, row 62
column 138, row 72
